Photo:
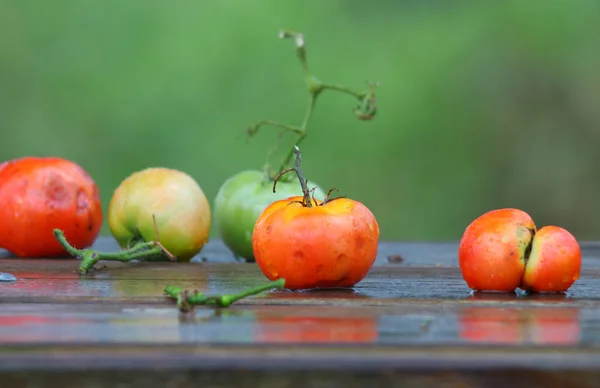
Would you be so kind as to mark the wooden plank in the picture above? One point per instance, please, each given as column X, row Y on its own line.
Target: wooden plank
column 407, row 322
column 240, row 377
column 409, row 341
column 56, row 281
column 404, row 253
column 401, row 324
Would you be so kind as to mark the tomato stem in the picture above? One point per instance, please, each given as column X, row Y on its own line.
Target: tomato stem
column 186, row 300
column 365, row 110
column 306, row 200
column 149, row 251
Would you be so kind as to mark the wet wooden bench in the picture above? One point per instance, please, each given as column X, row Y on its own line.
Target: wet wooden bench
column 411, row 322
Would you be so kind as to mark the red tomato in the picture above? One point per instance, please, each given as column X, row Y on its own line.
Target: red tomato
column 38, row 194
column 502, row 250
column 492, row 251
column 329, row 245
column 554, row 263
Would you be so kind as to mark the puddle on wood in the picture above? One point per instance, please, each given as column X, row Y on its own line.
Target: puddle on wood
column 7, row 277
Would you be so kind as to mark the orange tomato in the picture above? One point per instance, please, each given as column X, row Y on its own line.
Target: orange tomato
column 502, row 250
column 38, row 194
column 492, row 251
column 554, row 263
column 331, row 244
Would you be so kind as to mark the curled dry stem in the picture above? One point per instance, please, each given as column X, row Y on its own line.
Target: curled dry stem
column 306, row 200
column 365, row 109
column 328, row 198
column 186, row 300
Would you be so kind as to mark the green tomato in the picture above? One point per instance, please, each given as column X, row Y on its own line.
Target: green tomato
column 242, row 199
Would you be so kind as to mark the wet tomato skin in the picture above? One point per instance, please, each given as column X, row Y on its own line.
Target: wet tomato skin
column 503, row 250
column 334, row 245
column 177, row 202
column 554, row 263
column 492, row 250
column 38, row 194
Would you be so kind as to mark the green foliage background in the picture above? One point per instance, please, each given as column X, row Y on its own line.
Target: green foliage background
column 482, row 104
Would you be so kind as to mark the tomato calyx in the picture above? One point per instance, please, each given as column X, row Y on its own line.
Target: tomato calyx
column 186, row 300
column 328, row 199
column 139, row 250
column 308, row 198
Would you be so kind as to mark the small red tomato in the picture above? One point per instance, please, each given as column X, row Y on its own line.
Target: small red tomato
column 493, row 248
column 502, row 250
column 39, row 194
column 554, row 263
column 331, row 244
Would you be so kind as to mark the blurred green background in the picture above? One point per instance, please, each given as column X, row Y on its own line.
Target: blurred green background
column 482, row 104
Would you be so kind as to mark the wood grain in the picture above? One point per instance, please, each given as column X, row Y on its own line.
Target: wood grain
column 412, row 322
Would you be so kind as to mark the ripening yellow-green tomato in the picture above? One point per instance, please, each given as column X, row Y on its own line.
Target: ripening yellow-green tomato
column 175, row 200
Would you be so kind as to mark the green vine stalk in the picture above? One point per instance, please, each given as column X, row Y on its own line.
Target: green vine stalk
column 186, row 300
column 365, row 109
column 140, row 250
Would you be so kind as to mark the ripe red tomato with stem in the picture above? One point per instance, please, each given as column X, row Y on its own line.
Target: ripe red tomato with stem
column 242, row 197
column 155, row 214
column 38, row 194
column 315, row 244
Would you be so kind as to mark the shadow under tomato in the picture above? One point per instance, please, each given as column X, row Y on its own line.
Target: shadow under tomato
column 318, row 293
column 521, row 296
column 304, row 327
column 492, row 296
column 5, row 254
column 519, row 326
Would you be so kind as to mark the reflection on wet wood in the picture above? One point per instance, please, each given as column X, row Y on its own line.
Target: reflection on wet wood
column 406, row 319
column 405, row 324
column 57, row 281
